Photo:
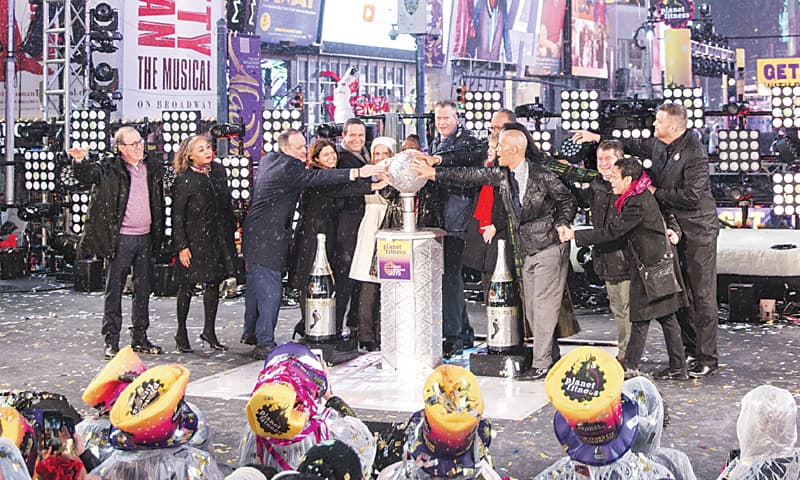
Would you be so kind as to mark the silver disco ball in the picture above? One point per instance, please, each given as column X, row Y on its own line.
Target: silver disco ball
column 401, row 176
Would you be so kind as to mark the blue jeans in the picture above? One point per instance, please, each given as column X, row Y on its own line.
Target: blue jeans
column 262, row 303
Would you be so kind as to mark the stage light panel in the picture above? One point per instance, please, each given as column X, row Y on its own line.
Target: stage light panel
column 580, row 110
column 543, row 140
column 479, row 107
column 177, row 125
column 276, row 121
column 692, row 100
column 78, row 208
column 636, row 133
column 40, row 170
column 786, row 193
column 739, row 151
column 240, row 176
column 89, row 129
column 785, row 107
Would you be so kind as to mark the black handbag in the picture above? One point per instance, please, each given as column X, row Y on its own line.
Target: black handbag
column 660, row 279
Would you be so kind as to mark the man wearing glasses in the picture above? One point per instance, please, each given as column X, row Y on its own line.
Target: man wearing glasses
column 123, row 224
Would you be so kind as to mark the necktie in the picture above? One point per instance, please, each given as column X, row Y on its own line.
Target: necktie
column 515, row 192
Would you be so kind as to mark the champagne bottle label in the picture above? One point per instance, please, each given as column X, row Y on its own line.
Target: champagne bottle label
column 320, row 318
column 503, row 332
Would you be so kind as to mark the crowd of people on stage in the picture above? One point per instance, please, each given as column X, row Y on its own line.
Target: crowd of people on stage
column 295, row 426
column 478, row 192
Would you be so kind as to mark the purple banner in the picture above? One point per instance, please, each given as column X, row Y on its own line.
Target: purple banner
column 296, row 22
column 434, row 49
column 245, row 92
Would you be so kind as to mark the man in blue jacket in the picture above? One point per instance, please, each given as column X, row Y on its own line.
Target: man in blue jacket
column 267, row 229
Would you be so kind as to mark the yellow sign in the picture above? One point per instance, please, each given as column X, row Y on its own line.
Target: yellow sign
column 394, row 259
column 778, row 71
column 678, row 67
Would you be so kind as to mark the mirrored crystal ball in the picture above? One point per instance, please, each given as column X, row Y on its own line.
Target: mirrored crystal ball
column 400, row 174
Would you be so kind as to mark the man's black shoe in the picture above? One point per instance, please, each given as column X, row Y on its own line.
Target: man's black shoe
column 110, row 351
column 672, row 374
column 145, row 346
column 260, row 352
column 450, row 350
column 700, row 371
column 534, row 374
column 249, row 339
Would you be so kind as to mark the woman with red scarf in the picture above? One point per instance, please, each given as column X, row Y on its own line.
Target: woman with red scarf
column 641, row 223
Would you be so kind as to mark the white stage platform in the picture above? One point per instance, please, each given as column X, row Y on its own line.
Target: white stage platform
column 364, row 385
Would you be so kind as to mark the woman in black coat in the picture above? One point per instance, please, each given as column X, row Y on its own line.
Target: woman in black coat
column 202, row 218
column 640, row 222
column 318, row 214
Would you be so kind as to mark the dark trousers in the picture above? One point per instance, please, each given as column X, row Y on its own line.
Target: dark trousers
column 672, row 337
column 369, row 312
column 262, row 303
column 700, row 320
column 132, row 251
column 455, row 322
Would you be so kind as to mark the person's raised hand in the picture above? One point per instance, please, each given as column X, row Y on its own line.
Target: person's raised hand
column 78, row 153
column 584, row 136
column 371, row 170
column 423, row 170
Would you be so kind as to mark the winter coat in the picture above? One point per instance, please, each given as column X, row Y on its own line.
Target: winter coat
column 203, row 222
column 111, row 185
column 546, row 205
column 642, row 224
column 608, row 259
column 680, row 174
column 349, row 212
column 480, row 255
column 267, row 227
column 318, row 214
column 449, row 206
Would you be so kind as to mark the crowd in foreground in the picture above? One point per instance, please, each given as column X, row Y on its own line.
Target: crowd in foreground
column 295, row 427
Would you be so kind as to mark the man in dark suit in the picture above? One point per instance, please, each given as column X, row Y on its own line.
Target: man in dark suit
column 681, row 183
column 538, row 204
column 350, row 211
column 453, row 146
column 267, row 229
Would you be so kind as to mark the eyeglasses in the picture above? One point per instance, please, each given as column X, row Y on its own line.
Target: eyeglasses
column 137, row 143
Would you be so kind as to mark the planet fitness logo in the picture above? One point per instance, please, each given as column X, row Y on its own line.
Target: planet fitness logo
column 585, row 384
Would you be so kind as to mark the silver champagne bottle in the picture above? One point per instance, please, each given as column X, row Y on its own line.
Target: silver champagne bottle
column 321, row 298
column 502, row 309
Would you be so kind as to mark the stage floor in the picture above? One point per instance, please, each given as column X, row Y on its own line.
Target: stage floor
column 365, row 385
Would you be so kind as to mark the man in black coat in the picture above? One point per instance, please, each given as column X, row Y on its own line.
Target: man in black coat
column 267, row 229
column 681, row 183
column 123, row 224
column 350, row 211
column 453, row 146
column 538, row 203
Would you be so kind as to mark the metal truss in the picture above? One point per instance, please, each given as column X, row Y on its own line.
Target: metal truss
column 65, row 76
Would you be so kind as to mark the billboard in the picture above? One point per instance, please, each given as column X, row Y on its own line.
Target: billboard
column 169, row 57
column 28, row 49
column 361, row 27
column 494, row 30
column 589, row 42
column 296, row 22
column 547, row 17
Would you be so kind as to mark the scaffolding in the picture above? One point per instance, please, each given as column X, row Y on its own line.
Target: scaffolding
column 66, row 54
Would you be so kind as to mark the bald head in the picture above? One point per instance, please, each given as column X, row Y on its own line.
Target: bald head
column 511, row 148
